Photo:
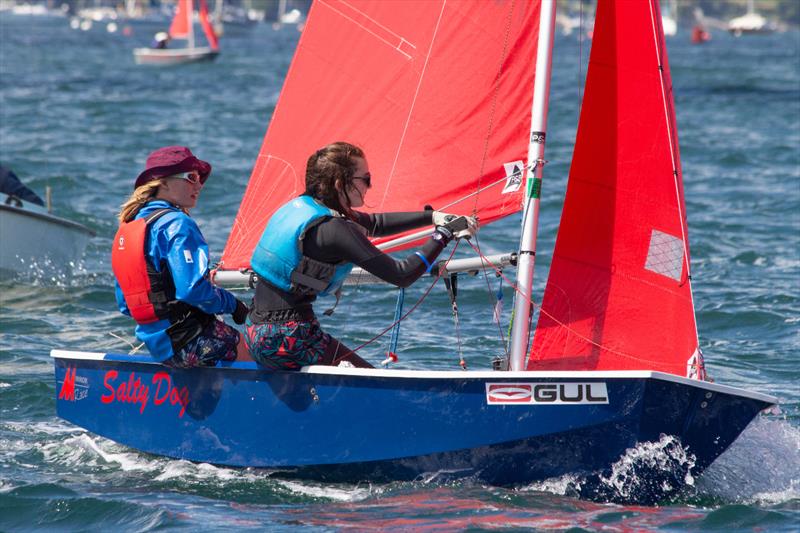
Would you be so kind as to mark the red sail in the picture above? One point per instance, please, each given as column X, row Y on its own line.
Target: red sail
column 437, row 92
column 208, row 29
column 618, row 296
column 182, row 21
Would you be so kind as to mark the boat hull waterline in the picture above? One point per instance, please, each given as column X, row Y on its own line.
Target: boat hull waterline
column 351, row 424
column 154, row 56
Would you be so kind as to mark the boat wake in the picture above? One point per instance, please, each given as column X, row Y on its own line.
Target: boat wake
column 761, row 467
column 646, row 474
column 95, row 456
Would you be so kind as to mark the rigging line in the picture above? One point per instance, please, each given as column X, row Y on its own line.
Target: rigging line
column 672, row 138
column 492, row 109
column 386, row 245
column 490, row 125
column 413, row 104
column 416, row 304
column 492, row 300
column 566, row 327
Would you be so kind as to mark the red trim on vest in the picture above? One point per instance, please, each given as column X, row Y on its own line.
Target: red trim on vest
column 129, row 263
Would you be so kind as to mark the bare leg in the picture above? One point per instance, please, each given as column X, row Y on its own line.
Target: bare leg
column 336, row 352
column 242, row 353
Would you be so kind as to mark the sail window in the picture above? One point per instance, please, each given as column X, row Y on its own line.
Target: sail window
column 665, row 255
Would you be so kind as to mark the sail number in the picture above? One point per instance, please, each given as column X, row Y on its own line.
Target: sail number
column 546, row 393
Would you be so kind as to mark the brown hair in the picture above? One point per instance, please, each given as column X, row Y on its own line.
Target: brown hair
column 141, row 195
column 330, row 170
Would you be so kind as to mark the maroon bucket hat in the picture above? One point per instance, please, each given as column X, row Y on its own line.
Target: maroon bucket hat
column 171, row 160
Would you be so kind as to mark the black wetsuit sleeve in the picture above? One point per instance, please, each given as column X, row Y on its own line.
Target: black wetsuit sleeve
column 382, row 224
column 337, row 240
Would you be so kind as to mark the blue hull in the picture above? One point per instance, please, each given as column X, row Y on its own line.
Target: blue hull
column 349, row 424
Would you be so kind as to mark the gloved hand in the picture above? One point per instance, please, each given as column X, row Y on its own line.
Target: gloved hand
column 460, row 227
column 240, row 313
column 441, row 218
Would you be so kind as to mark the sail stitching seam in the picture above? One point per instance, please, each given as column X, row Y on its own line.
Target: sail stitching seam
column 413, row 104
column 401, row 39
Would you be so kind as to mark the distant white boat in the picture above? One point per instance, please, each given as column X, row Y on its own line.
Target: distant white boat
column 750, row 22
column 182, row 27
column 31, row 236
column 669, row 17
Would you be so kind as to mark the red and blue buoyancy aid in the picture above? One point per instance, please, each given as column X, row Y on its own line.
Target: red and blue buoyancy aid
column 138, row 279
column 150, row 294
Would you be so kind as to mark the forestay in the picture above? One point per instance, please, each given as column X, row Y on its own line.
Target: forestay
column 438, row 94
column 619, row 295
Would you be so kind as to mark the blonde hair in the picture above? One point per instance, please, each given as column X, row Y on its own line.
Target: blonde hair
column 141, row 195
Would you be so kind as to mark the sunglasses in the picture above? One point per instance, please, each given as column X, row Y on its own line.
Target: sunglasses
column 366, row 178
column 192, row 177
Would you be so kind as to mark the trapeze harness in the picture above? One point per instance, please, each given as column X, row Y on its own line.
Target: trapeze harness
column 150, row 294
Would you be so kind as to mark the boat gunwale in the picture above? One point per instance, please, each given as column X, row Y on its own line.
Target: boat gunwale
column 174, row 53
column 505, row 376
column 48, row 217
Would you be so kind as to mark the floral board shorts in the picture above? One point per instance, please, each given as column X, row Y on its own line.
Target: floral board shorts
column 217, row 342
column 286, row 345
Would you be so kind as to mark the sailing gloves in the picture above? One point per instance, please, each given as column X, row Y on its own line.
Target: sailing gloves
column 455, row 226
column 240, row 313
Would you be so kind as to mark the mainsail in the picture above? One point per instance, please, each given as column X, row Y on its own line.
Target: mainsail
column 182, row 23
column 437, row 92
column 181, row 27
column 618, row 296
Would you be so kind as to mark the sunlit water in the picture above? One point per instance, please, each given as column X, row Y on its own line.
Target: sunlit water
column 78, row 115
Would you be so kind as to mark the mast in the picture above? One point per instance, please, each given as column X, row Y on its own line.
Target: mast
column 190, row 20
column 534, row 173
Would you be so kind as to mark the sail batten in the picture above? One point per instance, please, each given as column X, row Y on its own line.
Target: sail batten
column 435, row 91
column 618, row 295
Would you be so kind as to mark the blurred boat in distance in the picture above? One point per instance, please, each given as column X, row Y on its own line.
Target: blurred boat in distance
column 182, row 28
column 750, row 22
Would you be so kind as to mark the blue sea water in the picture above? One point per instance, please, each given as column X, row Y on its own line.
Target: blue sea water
column 78, row 115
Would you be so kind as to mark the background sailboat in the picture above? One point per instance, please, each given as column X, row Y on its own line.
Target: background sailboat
column 182, row 28
column 439, row 95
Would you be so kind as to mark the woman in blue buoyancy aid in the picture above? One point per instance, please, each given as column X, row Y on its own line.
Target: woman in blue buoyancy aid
column 309, row 247
column 160, row 262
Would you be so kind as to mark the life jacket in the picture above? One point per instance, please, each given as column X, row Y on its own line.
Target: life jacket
column 150, row 294
column 278, row 258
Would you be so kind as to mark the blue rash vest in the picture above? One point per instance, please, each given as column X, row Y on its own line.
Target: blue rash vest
column 278, row 258
column 175, row 240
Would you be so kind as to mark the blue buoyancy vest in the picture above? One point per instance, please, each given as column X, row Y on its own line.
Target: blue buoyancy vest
column 278, row 258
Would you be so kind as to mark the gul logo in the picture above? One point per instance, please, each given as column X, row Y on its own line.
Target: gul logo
column 546, row 393
column 122, row 242
column 509, row 392
column 74, row 387
column 135, row 391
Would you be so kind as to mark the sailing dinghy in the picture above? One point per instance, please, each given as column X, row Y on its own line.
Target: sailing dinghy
column 182, row 27
column 33, row 239
column 449, row 100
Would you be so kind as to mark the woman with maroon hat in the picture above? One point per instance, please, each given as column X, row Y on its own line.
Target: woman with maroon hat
column 160, row 261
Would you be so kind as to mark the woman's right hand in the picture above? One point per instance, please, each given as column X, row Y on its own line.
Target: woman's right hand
column 456, row 226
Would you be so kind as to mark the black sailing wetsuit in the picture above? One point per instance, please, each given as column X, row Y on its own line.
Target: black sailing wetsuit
column 337, row 240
